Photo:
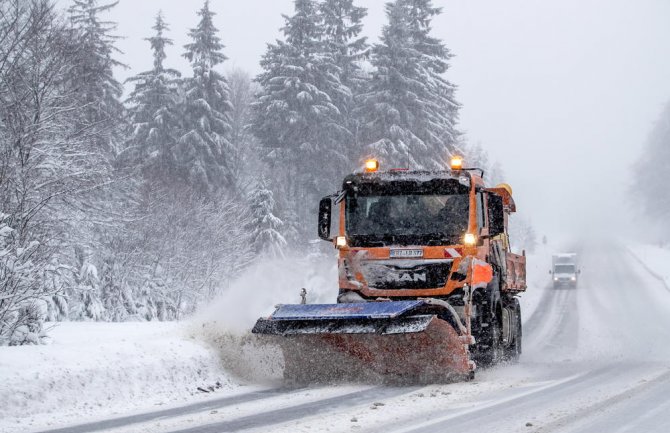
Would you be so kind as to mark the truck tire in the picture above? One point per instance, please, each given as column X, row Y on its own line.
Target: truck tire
column 487, row 329
column 513, row 351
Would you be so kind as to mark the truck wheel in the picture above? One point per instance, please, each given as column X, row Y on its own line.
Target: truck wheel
column 488, row 348
column 513, row 351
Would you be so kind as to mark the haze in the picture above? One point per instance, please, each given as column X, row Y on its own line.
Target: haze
column 562, row 94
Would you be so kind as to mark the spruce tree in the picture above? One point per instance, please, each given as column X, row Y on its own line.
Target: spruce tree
column 92, row 75
column 265, row 227
column 442, row 116
column 295, row 118
column 87, row 289
column 342, row 25
column 153, row 113
column 204, row 152
column 410, row 112
column 653, row 172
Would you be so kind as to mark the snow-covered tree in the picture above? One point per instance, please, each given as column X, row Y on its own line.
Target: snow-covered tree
column 85, row 298
column 204, row 151
column 92, row 75
column 410, row 112
column 116, row 294
column 653, row 171
column 477, row 156
column 23, row 293
column 265, row 227
column 342, row 25
column 295, row 118
column 154, row 120
column 247, row 162
column 48, row 167
column 522, row 234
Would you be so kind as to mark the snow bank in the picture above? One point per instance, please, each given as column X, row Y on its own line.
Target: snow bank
column 98, row 369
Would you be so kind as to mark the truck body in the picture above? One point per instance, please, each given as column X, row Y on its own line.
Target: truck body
column 427, row 282
column 564, row 270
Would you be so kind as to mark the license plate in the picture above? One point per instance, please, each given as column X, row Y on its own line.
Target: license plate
column 405, row 253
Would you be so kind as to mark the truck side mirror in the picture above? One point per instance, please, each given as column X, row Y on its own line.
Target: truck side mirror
column 325, row 211
column 496, row 215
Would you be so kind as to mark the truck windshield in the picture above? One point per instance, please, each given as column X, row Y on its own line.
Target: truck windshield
column 408, row 219
column 564, row 269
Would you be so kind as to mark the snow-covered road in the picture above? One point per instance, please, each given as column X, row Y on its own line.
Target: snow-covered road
column 596, row 359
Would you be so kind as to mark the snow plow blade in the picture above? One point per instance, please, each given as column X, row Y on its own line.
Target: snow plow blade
column 402, row 340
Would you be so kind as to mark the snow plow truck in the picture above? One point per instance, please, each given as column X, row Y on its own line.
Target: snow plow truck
column 428, row 285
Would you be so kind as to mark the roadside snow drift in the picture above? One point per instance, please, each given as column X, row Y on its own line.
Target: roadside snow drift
column 93, row 369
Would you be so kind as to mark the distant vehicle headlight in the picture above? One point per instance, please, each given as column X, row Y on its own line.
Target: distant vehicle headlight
column 555, row 278
column 573, row 278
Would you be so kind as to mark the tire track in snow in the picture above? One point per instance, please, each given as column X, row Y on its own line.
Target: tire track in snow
column 555, row 322
column 173, row 412
column 278, row 416
column 643, row 404
column 490, row 413
column 541, row 309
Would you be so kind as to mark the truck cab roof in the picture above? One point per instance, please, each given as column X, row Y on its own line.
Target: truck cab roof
column 465, row 177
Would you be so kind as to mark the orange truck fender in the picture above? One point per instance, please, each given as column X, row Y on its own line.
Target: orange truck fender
column 482, row 274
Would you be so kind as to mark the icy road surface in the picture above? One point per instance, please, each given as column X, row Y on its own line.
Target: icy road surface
column 596, row 359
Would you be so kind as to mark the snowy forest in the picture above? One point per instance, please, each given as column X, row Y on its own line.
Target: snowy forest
column 652, row 174
column 140, row 200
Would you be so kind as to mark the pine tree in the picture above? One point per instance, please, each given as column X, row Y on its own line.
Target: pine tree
column 204, row 152
column 246, row 161
column 410, row 112
column 265, row 226
column 523, row 234
column 116, row 296
column 342, row 25
column 87, row 290
column 92, row 75
column 153, row 113
column 477, row 156
column 295, row 117
column 653, row 172
column 442, row 115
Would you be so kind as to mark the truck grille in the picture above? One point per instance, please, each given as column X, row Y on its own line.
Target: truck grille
column 412, row 275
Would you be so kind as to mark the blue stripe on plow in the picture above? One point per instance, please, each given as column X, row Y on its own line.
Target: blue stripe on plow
column 363, row 310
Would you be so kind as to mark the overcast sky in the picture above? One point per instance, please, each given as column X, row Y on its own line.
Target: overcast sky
column 561, row 93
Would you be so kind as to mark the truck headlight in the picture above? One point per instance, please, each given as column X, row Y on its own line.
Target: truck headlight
column 574, row 278
column 469, row 239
